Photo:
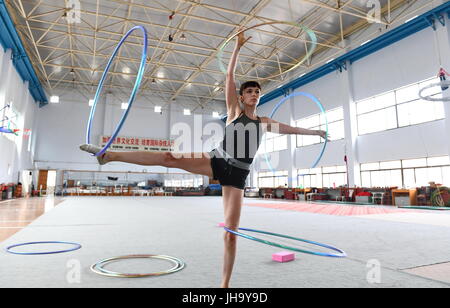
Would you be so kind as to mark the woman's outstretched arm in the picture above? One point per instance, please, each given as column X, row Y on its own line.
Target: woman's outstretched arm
column 284, row 129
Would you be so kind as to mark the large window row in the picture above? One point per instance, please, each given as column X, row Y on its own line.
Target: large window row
column 398, row 108
column 409, row 173
column 318, row 177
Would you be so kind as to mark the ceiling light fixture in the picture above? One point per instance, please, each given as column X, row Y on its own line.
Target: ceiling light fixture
column 408, row 20
column 54, row 99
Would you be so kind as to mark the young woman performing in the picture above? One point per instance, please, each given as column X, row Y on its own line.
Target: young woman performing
column 230, row 162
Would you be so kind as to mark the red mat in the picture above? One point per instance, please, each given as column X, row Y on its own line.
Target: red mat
column 329, row 209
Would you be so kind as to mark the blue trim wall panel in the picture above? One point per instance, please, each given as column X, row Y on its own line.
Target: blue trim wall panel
column 413, row 26
column 9, row 39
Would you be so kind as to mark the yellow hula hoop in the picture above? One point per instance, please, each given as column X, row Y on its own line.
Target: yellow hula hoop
column 311, row 50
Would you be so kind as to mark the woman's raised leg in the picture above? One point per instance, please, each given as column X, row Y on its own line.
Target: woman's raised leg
column 198, row 163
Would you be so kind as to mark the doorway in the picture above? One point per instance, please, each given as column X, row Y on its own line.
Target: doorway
column 51, row 182
column 27, row 179
column 47, row 182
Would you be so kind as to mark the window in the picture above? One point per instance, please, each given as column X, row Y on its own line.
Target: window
column 335, row 118
column 185, row 182
column 272, row 142
column 308, row 178
column 376, row 121
column 420, row 162
column 385, row 178
column 419, row 172
column 419, row 111
column 273, row 179
column 406, row 173
column 398, row 108
column 381, row 174
column 198, row 181
column 334, row 176
column 30, row 138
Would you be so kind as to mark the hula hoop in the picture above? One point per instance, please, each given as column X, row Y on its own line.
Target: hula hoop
column 340, row 253
column 77, row 246
column 322, row 109
column 311, row 34
column 6, row 130
column 133, row 93
column 98, row 267
column 433, row 85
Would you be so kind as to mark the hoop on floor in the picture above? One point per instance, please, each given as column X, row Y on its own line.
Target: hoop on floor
column 340, row 253
column 77, row 246
column 444, row 83
column 309, row 52
column 323, row 112
column 133, row 93
column 98, row 267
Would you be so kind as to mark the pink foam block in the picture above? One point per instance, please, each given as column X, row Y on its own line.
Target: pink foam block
column 283, row 256
column 221, row 224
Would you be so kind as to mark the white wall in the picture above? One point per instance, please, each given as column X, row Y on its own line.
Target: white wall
column 14, row 154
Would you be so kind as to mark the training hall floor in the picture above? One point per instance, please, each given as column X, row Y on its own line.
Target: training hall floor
column 411, row 246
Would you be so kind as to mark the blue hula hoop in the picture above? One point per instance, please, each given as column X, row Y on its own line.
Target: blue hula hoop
column 133, row 93
column 77, row 246
column 340, row 253
column 322, row 109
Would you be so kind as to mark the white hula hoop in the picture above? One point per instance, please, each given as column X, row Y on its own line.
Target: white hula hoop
column 433, row 85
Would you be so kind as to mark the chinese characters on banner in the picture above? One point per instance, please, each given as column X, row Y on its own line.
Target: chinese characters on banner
column 138, row 144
